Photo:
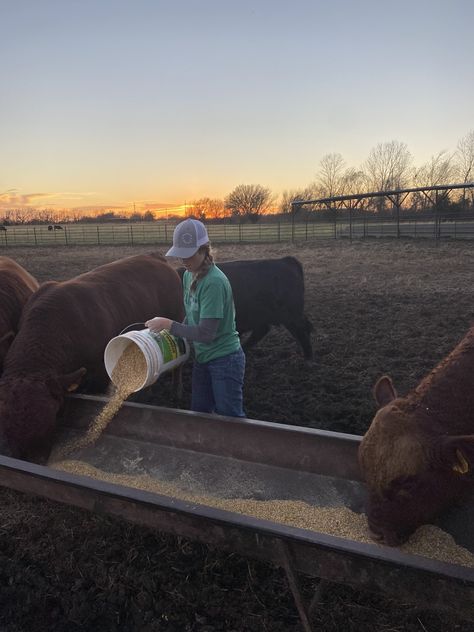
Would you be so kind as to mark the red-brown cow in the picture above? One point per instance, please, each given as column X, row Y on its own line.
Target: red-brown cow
column 63, row 333
column 417, row 456
column 16, row 287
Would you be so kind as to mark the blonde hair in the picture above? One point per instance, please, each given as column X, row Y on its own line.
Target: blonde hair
column 204, row 268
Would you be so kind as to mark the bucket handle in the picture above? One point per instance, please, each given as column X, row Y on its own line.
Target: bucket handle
column 133, row 327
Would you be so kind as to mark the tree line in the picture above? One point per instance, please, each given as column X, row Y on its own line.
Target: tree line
column 388, row 166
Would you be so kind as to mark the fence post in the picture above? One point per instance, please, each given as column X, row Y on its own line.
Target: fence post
column 398, row 216
column 34, row 233
column 65, row 235
column 98, row 236
column 131, row 234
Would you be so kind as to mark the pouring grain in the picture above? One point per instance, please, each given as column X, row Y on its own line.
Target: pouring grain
column 128, row 375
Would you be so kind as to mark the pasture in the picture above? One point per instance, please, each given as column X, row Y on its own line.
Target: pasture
column 317, row 227
column 392, row 307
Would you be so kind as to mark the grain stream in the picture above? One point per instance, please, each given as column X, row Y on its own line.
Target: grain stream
column 127, row 376
column 428, row 541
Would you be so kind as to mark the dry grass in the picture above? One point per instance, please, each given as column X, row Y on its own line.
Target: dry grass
column 377, row 307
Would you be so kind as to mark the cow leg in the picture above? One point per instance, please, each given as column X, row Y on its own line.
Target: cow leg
column 301, row 331
column 257, row 334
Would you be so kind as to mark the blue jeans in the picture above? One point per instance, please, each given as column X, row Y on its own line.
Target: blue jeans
column 217, row 385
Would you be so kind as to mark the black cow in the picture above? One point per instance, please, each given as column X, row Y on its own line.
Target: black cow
column 3, row 228
column 268, row 292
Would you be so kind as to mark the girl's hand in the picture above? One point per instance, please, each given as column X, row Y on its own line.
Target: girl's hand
column 158, row 323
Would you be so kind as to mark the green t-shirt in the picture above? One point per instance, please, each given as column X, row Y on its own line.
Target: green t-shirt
column 212, row 298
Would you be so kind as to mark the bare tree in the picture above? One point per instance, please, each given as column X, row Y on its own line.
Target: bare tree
column 249, row 201
column 354, row 181
column 388, row 166
column 465, row 158
column 330, row 178
column 288, row 197
column 207, row 208
column 465, row 164
column 440, row 169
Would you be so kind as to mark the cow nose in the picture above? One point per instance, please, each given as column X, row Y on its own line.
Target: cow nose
column 375, row 535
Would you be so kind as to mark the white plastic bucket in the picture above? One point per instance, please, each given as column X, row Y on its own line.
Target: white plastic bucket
column 162, row 352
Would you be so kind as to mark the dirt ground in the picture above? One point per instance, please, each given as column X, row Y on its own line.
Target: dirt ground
column 377, row 307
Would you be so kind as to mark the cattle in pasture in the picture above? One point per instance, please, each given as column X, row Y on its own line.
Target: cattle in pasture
column 16, row 287
column 63, row 333
column 417, row 456
column 268, row 292
column 3, row 228
column 55, row 227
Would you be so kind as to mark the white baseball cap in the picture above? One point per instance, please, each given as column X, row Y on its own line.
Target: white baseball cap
column 188, row 237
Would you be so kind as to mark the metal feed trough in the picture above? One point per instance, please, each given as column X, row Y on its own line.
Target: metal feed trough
column 243, row 458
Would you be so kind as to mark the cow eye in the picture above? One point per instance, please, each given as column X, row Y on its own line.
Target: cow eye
column 402, row 487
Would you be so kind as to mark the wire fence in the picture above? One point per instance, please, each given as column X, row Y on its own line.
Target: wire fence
column 341, row 226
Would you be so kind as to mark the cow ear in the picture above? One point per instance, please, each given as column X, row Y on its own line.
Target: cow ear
column 384, row 391
column 457, row 454
column 70, row 382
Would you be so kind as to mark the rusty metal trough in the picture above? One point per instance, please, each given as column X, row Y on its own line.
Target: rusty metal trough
column 242, row 458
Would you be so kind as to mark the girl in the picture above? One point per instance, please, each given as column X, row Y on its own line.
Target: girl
column 219, row 366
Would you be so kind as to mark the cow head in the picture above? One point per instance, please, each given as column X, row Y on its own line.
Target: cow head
column 28, row 409
column 413, row 472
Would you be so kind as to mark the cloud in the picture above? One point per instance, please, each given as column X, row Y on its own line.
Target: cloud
column 12, row 199
column 157, row 207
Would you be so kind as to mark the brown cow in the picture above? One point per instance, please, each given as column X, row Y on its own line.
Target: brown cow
column 63, row 333
column 417, row 456
column 16, row 287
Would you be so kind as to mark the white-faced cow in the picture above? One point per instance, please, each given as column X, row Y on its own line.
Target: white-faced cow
column 268, row 292
column 417, row 456
column 63, row 333
column 16, row 287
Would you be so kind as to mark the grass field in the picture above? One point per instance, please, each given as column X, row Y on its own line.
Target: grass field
column 142, row 233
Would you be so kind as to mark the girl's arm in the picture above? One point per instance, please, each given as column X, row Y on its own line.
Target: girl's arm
column 205, row 331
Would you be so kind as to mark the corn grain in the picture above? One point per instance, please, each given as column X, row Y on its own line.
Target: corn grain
column 428, row 541
column 128, row 375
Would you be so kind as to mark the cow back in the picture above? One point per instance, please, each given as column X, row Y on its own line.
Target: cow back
column 16, row 287
column 67, row 324
column 266, row 291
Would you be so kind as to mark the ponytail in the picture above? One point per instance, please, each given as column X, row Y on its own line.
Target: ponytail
column 204, row 269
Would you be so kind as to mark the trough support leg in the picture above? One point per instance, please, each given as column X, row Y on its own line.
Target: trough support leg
column 294, row 585
column 318, row 595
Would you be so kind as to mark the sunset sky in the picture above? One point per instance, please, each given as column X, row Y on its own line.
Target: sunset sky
column 111, row 103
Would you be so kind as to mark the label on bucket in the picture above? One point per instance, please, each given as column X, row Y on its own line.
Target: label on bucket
column 171, row 348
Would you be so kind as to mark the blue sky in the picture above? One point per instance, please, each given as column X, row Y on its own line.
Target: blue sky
column 113, row 102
